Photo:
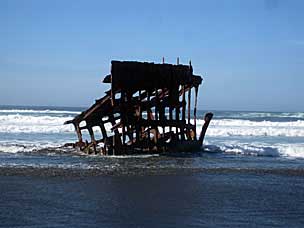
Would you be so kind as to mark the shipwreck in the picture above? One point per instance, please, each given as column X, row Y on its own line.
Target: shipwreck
column 147, row 109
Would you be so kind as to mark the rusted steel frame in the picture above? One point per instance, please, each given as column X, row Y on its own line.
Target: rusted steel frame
column 189, row 111
column 93, row 141
column 153, row 103
column 123, row 115
column 98, row 123
column 155, row 129
column 137, row 132
column 161, row 100
column 140, row 100
column 142, row 96
column 91, row 133
column 195, row 106
column 189, row 105
column 187, row 87
column 86, row 113
column 157, row 104
column 162, row 109
column 116, row 126
column 112, row 92
column 104, row 137
column 184, row 102
column 157, row 113
column 148, row 114
column 177, row 111
column 177, row 107
column 130, row 132
column 183, row 110
column 129, row 118
column 98, row 104
column 78, row 131
column 162, row 93
column 164, row 131
column 170, row 116
column 167, row 123
column 138, row 116
column 207, row 118
column 116, row 136
column 182, row 93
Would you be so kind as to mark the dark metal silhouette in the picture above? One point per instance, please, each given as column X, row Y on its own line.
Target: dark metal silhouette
column 146, row 109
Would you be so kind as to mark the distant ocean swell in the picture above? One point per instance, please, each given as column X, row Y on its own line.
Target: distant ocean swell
column 26, row 130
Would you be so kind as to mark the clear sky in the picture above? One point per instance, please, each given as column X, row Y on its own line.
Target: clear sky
column 250, row 53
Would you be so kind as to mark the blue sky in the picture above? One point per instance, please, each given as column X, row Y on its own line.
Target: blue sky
column 250, row 53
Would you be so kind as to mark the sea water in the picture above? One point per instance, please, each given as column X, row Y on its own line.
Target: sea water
column 250, row 172
column 275, row 134
column 34, row 136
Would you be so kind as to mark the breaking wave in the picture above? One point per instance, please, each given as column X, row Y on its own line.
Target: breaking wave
column 23, row 111
column 276, row 150
column 231, row 127
column 22, row 146
column 16, row 123
column 259, row 115
column 254, row 149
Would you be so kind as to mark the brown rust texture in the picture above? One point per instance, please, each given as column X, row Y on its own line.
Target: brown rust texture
column 146, row 109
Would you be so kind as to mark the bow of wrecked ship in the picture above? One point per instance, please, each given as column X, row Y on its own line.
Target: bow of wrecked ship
column 147, row 109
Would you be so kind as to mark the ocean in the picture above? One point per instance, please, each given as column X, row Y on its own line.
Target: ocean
column 250, row 172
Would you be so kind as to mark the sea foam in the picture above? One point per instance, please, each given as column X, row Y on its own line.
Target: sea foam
column 16, row 123
column 32, row 111
column 258, row 149
column 231, row 127
column 37, row 122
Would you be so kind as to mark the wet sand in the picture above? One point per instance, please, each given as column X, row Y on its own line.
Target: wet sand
column 189, row 198
column 133, row 171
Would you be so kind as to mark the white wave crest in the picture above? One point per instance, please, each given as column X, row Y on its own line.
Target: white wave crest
column 34, row 124
column 266, row 115
column 231, row 127
column 38, row 111
column 245, row 149
column 256, row 149
column 296, row 151
column 22, row 146
column 133, row 156
column 18, row 123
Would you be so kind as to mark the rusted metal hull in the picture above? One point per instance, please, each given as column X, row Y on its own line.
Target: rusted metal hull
column 147, row 110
